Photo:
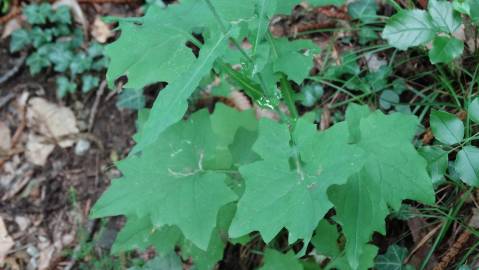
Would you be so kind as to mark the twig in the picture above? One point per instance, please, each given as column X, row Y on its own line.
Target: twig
column 458, row 244
column 14, row 70
column 18, row 133
column 4, row 100
column 12, row 14
column 94, row 109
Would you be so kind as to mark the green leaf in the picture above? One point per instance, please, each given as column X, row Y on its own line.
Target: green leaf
column 348, row 66
column 275, row 260
column 80, row 63
column 444, row 17
column 366, row 261
column 131, row 99
column 467, row 165
column 40, row 37
column 461, row 6
column 277, row 196
column 171, row 182
column 37, row 14
column 325, row 240
column 446, row 127
column 474, row 11
column 163, row 55
column 354, row 114
column 364, row 10
column 171, row 104
column 139, row 233
column 19, row 40
column 393, row 259
column 61, row 15
column 381, row 183
column 445, row 49
column 170, row 261
column 473, row 110
column 409, row 28
column 310, row 94
column 437, row 160
column 61, row 56
column 36, row 62
column 65, row 86
column 388, row 99
column 288, row 60
column 89, row 82
column 367, row 34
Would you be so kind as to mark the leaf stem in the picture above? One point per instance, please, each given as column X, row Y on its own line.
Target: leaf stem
column 287, row 92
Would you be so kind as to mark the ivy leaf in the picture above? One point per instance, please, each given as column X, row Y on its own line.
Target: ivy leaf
column 473, row 110
column 61, row 56
column 393, row 259
column 36, row 62
column 381, row 183
column 89, row 82
column 437, row 160
column 446, row 127
column 275, row 260
column 65, row 86
column 277, row 196
column 364, row 10
column 37, row 14
column 171, row 182
column 171, row 103
column 131, row 99
column 409, row 28
column 445, row 49
column 467, row 165
column 388, row 99
column 61, row 15
column 19, row 40
column 444, row 17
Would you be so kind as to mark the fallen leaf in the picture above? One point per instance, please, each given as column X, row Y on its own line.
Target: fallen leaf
column 52, row 121
column 374, row 63
column 100, row 30
column 5, row 138
column 10, row 27
column 22, row 222
column 46, row 254
column 6, row 242
column 37, row 151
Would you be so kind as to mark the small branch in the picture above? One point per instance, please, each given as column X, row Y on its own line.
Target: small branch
column 14, row 70
column 94, row 109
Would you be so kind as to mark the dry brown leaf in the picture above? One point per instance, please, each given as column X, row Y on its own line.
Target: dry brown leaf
column 37, row 151
column 10, row 27
column 52, row 121
column 5, row 138
column 100, row 30
column 6, row 242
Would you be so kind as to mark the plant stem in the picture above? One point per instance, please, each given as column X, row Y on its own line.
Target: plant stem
column 287, row 92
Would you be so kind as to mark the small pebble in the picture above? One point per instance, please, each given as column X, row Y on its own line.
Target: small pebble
column 82, row 147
